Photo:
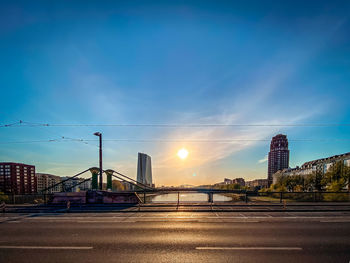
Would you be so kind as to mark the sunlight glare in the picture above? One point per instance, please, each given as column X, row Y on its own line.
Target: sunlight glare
column 182, row 153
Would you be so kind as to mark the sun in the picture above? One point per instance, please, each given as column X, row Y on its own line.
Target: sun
column 182, row 153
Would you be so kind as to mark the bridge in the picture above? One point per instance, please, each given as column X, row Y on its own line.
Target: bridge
column 141, row 192
column 141, row 189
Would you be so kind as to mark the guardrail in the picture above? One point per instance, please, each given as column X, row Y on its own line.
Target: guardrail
column 235, row 195
column 25, row 198
column 306, row 196
column 249, row 196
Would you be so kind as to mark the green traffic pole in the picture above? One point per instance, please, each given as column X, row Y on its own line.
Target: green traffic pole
column 94, row 171
column 109, row 174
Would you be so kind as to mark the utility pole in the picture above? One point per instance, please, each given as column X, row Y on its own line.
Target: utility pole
column 100, row 137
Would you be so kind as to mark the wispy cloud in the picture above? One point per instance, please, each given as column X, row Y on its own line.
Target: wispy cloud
column 264, row 160
column 249, row 108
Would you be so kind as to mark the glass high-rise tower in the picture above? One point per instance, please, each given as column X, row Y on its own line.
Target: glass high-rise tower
column 278, row 156
column 144, row 169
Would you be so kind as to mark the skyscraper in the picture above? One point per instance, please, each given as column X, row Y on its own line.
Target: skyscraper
column 144, row 169
column 278, row 156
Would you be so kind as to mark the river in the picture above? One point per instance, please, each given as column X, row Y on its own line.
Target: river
column 188, row 197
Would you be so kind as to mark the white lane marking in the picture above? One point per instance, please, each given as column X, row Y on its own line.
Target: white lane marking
column 248, row 248
column 200, row 220
column 335, row 221
column 44, row 247
column 245, row 221
column 90, row 221
column 184, row 217
column 166, row 221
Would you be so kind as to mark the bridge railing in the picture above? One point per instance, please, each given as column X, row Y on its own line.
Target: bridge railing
column 233, row 196
column 253, row 196
column 36, row 198
column 343, row 196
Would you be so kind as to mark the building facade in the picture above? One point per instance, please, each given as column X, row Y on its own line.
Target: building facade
column 227, row 181
column 69, row 185
column 257, row 183
column 84, row 185
column 127, row 186
column 44, row 181
column 278, row 158
column 17, row 178
column 75, row 184
column 320, row 166
column 144, row 169
column 239, row 181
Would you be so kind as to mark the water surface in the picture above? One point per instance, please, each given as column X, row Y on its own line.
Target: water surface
column 188, row 197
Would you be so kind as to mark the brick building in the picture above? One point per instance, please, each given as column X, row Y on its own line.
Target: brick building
column 17, row 178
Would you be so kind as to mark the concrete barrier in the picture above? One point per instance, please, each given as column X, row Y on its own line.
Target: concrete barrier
column 120, row 198
column 74, row 198
column 96, row 197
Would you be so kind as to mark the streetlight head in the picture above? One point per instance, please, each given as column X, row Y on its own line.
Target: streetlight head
column 97, row 133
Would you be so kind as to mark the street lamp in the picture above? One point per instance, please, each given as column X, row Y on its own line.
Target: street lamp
column 100, row 136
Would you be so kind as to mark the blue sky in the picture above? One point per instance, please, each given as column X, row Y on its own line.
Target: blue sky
column 173, row 62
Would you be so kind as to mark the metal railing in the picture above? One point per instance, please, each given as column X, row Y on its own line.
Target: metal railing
column 26, row 198
column 254, row 196
column 236, row 196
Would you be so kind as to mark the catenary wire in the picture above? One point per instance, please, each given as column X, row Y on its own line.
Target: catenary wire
column 175, row 141
column 174, row 125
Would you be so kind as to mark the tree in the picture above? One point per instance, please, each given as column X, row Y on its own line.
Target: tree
column 236, row 186
column 117, row 186
column 310, row 182
column 3, row 197
column 337, row 177
column 318, row 180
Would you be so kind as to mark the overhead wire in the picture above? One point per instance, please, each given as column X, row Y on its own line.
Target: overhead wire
column 174, row 141
column 183, row 140
column 30, row 124
column 174, row 125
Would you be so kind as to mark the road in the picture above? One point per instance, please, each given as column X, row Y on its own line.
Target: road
column 176, row 237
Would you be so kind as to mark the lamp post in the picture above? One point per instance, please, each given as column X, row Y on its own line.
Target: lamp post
column 100, row 136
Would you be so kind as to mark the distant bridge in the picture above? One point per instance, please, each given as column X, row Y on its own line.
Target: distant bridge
column 141, row 188
column 146, row 190
column 197, row 190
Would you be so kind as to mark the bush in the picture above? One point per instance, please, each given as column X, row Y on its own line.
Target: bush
column 336, row 197
column 3, row 197
column 38, row 201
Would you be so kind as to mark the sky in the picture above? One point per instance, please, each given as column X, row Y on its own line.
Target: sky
column 173, row 63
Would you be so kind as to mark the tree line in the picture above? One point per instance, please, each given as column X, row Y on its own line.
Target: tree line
column 335, row 179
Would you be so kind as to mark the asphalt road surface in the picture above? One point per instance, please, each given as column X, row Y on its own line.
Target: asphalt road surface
column 176, row 237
